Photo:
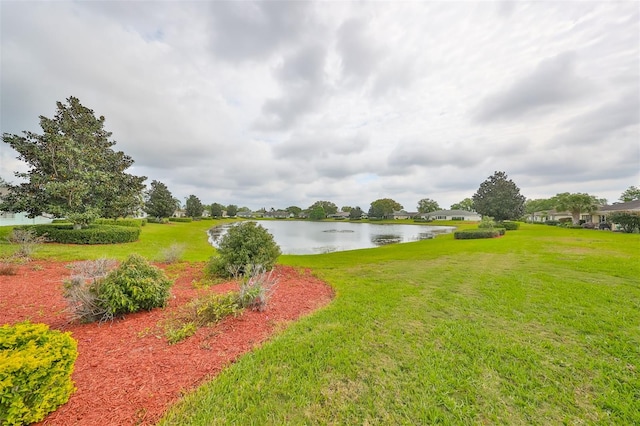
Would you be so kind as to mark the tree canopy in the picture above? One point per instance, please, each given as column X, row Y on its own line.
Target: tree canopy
column 499, row 197
column 576, row 204
column 73, row 170
column 159, row 202
column 466, row 205
column 384, row 208
column 194, row 207
column 355, row 213
column 630, row 194
column 294, row 210
column 427, row 205
column 217, row 210
column 327, row 206
column 232, row 210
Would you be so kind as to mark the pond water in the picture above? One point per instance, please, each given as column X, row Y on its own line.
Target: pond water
column 303, row 237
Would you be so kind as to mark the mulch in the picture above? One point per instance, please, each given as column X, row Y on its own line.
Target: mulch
column 126, row 372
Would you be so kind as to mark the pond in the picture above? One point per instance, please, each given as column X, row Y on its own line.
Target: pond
column 303, row 237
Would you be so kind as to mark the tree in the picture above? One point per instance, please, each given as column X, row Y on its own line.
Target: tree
column 576, row 204
column 628, row 220
column 194, row 207
column 232, row 210
column 327, row 206
column 466, row 205
column 499, row 197
column 317, row 213
column 217, row 210
column 294, row 210
column 427, row 205
column 74, row 172
column 355, row 213
column 630, row 194
column 384, row 208
column 159, row 202
column 346, row 209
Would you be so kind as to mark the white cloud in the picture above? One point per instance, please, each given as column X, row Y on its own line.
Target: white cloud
column 271, row 104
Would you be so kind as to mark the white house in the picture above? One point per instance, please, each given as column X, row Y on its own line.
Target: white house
column 452, row 215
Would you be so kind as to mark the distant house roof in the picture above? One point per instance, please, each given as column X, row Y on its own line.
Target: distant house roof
column 452, row 213
column 615, row 207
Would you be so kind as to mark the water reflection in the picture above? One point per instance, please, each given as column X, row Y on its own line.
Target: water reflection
column 306, row 237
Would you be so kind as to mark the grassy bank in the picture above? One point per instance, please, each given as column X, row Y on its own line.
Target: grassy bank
column 538, row 327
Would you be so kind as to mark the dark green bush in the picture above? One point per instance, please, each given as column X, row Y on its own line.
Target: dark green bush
column 135, row 285
column 94, row 234
column 471, row 234
column 60, row 221
column 629, row 221
column 180, row 219
column 246, row 243
column 134, row 223
column 552, row 222
column 508, row 225
column 35, row 371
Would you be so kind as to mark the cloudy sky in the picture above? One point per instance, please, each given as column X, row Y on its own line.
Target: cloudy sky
column 274, row 103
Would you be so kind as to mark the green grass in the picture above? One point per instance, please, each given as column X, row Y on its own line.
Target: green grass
column 538, row 327
column 541, row 326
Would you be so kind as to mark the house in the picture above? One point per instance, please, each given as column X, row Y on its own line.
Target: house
column 543, row 216
column 598, row 216
column 404, row 215
column 277, row 214
column 18, row 218
column 340, row 215
column 451, row 215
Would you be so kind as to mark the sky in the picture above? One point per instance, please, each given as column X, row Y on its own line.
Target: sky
column 275, row 104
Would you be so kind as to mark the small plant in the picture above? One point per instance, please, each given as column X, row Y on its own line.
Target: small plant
column 81, row 290
column 27, row 241
column 175, row 335
column 172, row 254
column 487, row 222
column 256, row 287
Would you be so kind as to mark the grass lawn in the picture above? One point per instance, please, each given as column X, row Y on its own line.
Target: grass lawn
column 541, row 326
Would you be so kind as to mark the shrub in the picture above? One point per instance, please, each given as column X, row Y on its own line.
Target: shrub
column 81, row 290
column 134, row 286
column 246, row 243
column 27, row 241
column 60, row 221
column 180, row 219
column 172, row 254
column 470, row 234
column 509, row 225
column 628, row 220
column 589, row 225
column 94, row 234
column 256, row 287
column 552, row 222
column 35, row 371
column 487, row 223
column 161, row 220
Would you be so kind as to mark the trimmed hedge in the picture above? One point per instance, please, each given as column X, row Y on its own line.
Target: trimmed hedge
column 134, row 223
column 509, row 226
column 180, row 219
column 35, row 371
column 94, row 234
column 472, row 234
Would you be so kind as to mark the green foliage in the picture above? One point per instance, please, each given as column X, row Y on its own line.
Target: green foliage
column 499, row 198
column 135, row 285
column 427, row 205
column 539, row 205
column 509, row 225
column 630, row 194
column 466, row 204
column 471, row 234
column 383, row 208
column 178, row 333
column 628, row 220
column 81, row 291
column 194, row 207
column 576, row 204
column 74, row 172
column 94, row 234
column 134, row 223
column 159, row 201
column 257, row 285
column 245, row 243
column 487, row 222
column 217, row 210
column 355, row 213
column 180, row 219
column 294, row 210
column 35, row 371
column 232, row 210
column 327, row 206
column 317, row 213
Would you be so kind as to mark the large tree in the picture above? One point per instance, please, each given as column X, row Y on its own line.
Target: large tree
column 576, row 204
column 327, row 206
column 384, row 208
column 630, row 194
column 159, row 202
column 232, row 210
column 73, row 170
column 294, row 210
column 427, row 205
column 466, row 205
column 499, row 198
column 355, row 213
column 217, row 210
column 193, row 206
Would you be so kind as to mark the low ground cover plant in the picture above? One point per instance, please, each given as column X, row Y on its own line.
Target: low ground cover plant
column 35, row 371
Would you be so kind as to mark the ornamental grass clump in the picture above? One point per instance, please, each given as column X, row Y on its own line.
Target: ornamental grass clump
column 26, row 240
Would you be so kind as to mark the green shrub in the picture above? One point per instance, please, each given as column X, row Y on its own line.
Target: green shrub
column 552, row 222
column 628, row 220
column 94, row 234
column 487, row 222
column 81, row 290
column 160, row 220
column 135, row 285
column 134, row 223
column 471, row 234
column 35, row 371
column 509, row 225
column 180, row 219
column 60, row 221
column 246, row 243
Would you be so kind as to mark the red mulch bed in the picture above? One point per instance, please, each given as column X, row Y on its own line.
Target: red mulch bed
column 126, row 372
